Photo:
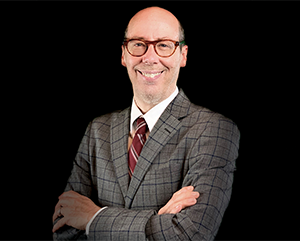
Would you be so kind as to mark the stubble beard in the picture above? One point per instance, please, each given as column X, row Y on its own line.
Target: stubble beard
column 152, row 97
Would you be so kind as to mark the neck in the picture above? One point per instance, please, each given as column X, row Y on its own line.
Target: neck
column 146, row 103
column 143, row 107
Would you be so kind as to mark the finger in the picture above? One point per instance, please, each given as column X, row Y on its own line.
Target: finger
column 189, row 188
column 184, row 190
column 59, row 224
column 182, row 195
column 183, row 202
column 55, row 216
column 56, row 211
column 196, row 194
column 183, row 198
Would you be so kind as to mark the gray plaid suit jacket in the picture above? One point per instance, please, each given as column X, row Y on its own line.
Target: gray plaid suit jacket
column 189, row 145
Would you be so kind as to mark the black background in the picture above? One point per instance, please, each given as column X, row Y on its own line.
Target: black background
column 62, row 68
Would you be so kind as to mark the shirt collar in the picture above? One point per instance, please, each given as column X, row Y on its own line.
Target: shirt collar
column 152, row 116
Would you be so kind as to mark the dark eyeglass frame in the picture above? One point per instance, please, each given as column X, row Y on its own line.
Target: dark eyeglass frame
column 176, row 43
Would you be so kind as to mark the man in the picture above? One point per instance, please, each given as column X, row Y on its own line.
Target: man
column 160, row 170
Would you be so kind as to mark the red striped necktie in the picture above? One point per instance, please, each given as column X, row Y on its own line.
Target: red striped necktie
column 137, row 144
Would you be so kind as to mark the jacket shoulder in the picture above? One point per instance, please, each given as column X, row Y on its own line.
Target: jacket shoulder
column 201, row 118
column 183, row 109
column 205, row 114
column 106, row 119
column 104, row 122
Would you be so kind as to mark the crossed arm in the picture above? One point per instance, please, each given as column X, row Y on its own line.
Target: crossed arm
column 194, row 212
column 77, row 210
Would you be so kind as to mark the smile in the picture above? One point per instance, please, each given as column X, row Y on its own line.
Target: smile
column 151, row 75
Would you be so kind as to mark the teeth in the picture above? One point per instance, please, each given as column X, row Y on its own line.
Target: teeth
column 150, row 75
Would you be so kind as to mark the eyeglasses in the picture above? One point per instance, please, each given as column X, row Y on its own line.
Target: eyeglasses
column 163, row 48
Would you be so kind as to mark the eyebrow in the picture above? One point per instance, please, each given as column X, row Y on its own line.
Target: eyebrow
column 141, row 38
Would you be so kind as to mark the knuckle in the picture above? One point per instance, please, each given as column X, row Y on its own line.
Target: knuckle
column 176, row 194
column 184, row 189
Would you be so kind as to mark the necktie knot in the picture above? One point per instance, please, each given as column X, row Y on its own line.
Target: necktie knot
column 141, row 127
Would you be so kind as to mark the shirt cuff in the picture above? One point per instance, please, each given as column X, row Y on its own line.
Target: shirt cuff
column 87, row 228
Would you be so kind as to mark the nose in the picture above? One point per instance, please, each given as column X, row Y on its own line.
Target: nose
column 150, row 57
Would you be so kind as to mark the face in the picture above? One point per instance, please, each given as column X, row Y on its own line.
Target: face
column 153, row 78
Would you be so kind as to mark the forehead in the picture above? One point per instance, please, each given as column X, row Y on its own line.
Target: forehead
column 153, row 25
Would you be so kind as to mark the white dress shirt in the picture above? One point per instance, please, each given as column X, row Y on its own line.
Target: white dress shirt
column 151, row 117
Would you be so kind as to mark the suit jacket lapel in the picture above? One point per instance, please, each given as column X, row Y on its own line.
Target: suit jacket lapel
column 165, row 128
column 119, row 145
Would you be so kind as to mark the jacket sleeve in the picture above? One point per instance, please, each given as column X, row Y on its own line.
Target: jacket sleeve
column 211, row 166
column 212, row 163
column 80, row 182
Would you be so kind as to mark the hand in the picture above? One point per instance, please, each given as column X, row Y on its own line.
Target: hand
column 77, row 210
column 185, row 197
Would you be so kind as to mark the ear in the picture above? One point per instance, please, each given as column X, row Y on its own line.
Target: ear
column 123, row 57
column 184, row 52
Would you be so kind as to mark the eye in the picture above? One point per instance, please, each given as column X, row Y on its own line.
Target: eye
column 138, row 45
column 163, row 46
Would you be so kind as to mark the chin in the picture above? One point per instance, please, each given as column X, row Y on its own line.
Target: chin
column 151, row 97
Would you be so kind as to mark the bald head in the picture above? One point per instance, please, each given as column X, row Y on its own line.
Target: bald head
column 153, row 76
column 154, row 20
